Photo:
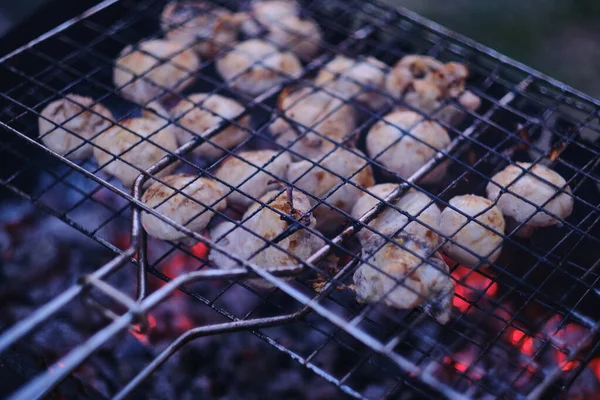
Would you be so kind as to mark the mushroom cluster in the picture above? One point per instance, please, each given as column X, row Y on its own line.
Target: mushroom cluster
column 270, row 196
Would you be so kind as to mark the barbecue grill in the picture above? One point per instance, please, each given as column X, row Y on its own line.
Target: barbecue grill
column 526, row 326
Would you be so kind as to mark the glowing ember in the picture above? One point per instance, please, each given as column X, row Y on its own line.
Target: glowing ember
column 136, row 330
column 122, row 240
column 595, row 367
column 570, row 335
column 182, row 323
column 200, row 250
column 469, row 286
column 176, row 265
column 462, row 362
column 523, row 342
column 561, row 359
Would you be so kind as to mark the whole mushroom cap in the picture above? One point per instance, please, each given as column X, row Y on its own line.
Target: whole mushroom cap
column 301, row 36
column 154, row 68
column 336, row 188
column 311, row 118
column 529, row 183
column 267, row 13
column 405, row 274
column 193, row 212
column 63, row 119
column 468, row 233
column 200, row 112
column 360, row 79
column 241, row 173
column 404, row 141
column 266, row 225
column 414, row 203
column 255, row 66
column 201, row 25
column 141, row 142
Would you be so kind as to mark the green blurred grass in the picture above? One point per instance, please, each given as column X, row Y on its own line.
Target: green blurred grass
column 558, row 37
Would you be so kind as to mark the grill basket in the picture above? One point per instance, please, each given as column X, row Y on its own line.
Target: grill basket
column 549, row 279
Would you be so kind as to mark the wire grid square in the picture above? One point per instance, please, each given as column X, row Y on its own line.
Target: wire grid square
column 85, row 63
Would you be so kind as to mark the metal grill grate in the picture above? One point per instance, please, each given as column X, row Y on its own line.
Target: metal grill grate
column 524, row 116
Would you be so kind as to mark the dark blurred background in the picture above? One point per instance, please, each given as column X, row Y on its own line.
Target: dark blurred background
column 558, row 37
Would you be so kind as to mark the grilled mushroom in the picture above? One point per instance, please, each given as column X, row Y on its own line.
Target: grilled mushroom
column 236, row 170
column 426, row 84
column 405, row 274
column 528, row 199
column 301, row 36
column 476, row 238
column 409, row 69
column 314, row 177
column 287, row 232
column 140, row 142
column 255, row 66
column 206, row 28
column 428, row 98
column 153, row 69
column 417, row 204
column 63, row 119
column 155, row 110
column 202, row 111
column 363, row 78
column 263, row 14
column 403, row 142
column 309, row 118
column 193, row 212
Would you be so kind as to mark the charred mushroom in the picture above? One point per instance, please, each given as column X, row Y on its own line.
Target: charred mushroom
column 200, row 25
column 405, row 274
column 287, row 230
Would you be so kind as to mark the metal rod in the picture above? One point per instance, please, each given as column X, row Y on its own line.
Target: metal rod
column 25, row 326
column 196, row 333
column 227, row 327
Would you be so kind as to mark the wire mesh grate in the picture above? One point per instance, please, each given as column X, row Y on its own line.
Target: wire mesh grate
column 505, row 318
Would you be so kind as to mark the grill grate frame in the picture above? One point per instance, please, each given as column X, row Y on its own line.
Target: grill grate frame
column 504, row 86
